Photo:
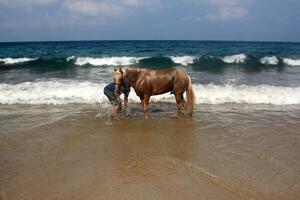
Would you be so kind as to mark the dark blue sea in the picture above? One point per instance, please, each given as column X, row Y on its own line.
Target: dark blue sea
column 222, row 72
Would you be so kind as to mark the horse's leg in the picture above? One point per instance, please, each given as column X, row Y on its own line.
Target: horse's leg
column 179, row 102
column 142, row 101
column 179, row 98
column 146, row 103
column 183, row 102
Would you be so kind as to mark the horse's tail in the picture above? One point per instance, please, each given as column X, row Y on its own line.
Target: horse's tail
column 190, row 97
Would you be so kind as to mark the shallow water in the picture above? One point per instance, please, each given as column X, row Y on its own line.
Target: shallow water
column 75, row 151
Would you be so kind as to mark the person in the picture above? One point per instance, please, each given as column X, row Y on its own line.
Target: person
column 113, row 94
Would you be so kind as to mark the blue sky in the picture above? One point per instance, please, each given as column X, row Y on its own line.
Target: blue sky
column 48, row 20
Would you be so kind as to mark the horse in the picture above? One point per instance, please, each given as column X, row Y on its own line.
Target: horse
column 148, row 82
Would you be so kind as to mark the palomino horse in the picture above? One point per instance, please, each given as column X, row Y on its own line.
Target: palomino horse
column 147, row 82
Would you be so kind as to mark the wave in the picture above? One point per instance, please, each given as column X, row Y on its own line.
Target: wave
column 204, row 62
column 259, row 94
column 50, row 92
column 183, row 60
column 9, row 61
column 72, row 91
column 291, row 62
column 156, row 62
column 238, row 58
column 123, row 60
column 272, row 60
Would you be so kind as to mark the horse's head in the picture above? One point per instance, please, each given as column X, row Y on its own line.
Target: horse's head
column 118, row 79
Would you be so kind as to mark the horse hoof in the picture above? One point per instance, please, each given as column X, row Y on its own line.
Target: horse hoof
column 174, row 115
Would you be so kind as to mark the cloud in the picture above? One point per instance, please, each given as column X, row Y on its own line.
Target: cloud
column 101, row 8
column 85, row 7
column 228, row 10
column 35, row 13
column 92, row 7
column 100, row 12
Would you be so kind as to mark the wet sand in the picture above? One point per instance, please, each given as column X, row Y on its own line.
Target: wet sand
column 77, row 152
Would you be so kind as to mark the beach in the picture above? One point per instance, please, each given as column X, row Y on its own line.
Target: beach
column 78, row 152
column 58, row 141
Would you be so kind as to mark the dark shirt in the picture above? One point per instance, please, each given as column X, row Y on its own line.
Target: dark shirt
column 110, row 89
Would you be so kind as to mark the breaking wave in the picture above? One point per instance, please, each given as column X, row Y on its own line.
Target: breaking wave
column 239, row 58
column 273, row 60
column 186, row 60
column 9, row 61
column 183, row 60
column 291, row 62
column 123, row 60
column 159, row 61
column 259, row 94
column 71, row 91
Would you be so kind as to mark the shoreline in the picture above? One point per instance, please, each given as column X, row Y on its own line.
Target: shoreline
column 77, row 152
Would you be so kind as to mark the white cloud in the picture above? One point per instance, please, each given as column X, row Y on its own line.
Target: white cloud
column 107, row 7
column 71, row 12
column 228, row 10
column 92, row 7
column 86, row 7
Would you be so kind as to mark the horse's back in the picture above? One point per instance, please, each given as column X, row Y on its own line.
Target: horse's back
column 166, row 80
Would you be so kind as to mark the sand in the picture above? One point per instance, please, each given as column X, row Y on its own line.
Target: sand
column 78, row 152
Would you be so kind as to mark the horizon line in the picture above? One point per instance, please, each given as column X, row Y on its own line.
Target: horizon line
column 124, row 40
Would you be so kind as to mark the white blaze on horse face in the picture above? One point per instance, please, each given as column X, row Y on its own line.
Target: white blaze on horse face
column 124, row 72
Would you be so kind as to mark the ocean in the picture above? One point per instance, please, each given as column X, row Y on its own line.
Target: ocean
column 58, row 141
column 222, row 72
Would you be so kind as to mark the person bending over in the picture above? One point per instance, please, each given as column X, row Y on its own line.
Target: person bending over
column 113, row 92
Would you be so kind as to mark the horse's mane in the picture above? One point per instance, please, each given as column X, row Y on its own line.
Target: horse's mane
column 132, row 69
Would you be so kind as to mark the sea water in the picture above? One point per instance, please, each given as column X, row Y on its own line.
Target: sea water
column 221, row 72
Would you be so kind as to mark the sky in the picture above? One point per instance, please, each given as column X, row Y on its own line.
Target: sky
column 241, row 20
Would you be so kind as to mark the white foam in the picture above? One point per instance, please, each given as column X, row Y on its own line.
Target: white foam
column 70, row 58
column 123, row 60
column 273, row 60
column 9, row 61
column 238, row 58
column 51, row 92
column 291, row 62
column 71, row 91
column 260, row 94
column 183, row 60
